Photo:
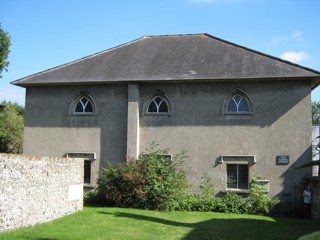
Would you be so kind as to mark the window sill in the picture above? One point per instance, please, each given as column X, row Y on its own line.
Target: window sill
column 83, row 114
column 251, row 114
column 236, row 190
column 157, row 114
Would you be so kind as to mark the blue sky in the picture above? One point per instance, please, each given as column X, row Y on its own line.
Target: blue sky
column 48, row 33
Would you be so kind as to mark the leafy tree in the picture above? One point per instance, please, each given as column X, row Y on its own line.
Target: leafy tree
column 316, row 113
column 11, row 127
column 4, row 49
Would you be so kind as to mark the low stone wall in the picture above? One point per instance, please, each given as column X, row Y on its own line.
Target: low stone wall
column 35, row 190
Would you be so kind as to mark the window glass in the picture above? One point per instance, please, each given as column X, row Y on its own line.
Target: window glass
column 243, row 180
column 232, row 176
column 237, row 176
column 152, row 107
column 158, row 105
column 87, row 171
column 84, row 105
column 237, row 104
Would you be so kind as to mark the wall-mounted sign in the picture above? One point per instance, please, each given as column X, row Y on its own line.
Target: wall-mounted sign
column 282, row 160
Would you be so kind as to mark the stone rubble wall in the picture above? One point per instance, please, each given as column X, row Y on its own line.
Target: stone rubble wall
column 38, row 189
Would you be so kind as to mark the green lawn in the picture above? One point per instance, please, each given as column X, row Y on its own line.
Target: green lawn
column 119, row 223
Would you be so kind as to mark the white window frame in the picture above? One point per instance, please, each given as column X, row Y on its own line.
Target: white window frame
column 230, row 97
column 158, row 105
column 151, row 98
column 77, row 99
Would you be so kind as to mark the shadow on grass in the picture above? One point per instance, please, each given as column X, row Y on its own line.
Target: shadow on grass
column 237, row 228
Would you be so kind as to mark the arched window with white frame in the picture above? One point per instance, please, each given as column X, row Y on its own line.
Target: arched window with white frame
column 83, row 104
column 237, row 102
column 157, row 104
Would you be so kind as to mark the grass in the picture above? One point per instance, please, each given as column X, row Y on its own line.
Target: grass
column 118, row 223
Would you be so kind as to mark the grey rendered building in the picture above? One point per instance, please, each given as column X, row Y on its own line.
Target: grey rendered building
column 239, row 113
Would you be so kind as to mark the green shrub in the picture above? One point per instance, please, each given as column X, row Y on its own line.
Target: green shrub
column 230, row 203
column 151, row 182
column 89, row 197
column 187, row 202
column 207, row 189
column 155, row 182
column 258, row 201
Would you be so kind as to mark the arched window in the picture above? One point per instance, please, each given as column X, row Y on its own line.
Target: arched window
column 82, row 104
column 157, row 104
column 237, row 102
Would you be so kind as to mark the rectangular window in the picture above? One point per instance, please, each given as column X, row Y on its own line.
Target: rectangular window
column 237, row 176
column 89, row 159
column 87, row 172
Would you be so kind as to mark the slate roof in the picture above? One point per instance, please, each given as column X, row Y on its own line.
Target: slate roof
column 172, row 57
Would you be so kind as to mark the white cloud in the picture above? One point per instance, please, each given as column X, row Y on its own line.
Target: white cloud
column 295, row 57
column 296, row 36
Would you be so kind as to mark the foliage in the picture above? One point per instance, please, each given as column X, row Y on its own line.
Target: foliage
column 258, row 201
column 230, row 203
column 90, row 197
column 203, row 202
column 11, row 127
column 150, row 182
column 4, row 49
column 315, row 113
column 155, row 182
column 207, row 188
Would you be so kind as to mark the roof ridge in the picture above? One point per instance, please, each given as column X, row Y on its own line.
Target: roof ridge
column 164, row 38
column 175, row 35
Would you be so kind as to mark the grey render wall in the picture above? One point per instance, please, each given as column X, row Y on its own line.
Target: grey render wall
column 281, row 125
column 51, row 131
column 38, row 189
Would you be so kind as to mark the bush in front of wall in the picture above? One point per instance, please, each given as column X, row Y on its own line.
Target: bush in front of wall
column 158, row 182
column 258, row 201
column 231, row 202
column 153, row 181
